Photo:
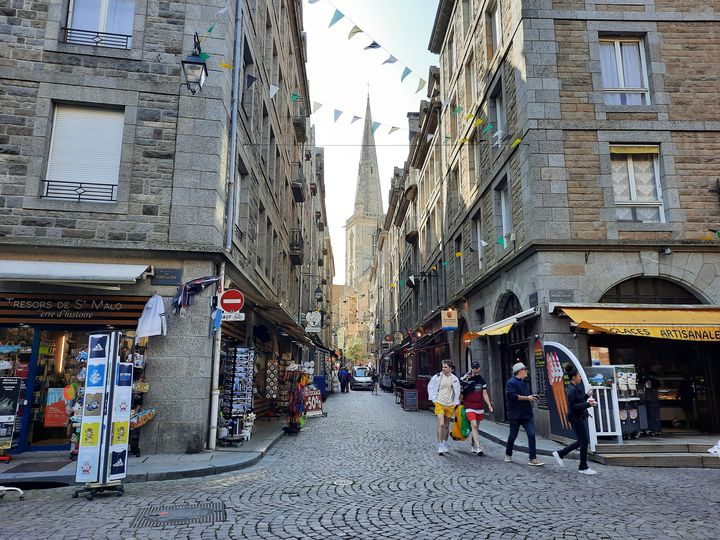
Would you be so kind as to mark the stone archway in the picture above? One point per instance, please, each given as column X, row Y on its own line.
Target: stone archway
column 649, row 290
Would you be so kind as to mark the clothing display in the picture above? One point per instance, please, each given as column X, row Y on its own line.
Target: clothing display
column 153, row 321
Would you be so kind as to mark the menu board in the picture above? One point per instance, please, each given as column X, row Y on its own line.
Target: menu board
column 9, row 395
column 410, row 400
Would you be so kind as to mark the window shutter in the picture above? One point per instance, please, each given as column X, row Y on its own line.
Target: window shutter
column 86, row 145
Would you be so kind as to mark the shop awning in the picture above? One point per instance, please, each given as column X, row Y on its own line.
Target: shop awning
column 503, row 327
column 72, row 272
column 686, row 323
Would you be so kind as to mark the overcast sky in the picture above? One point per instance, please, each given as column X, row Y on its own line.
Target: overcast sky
column 339, row 71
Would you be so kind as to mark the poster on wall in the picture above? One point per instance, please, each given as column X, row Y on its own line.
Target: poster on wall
column 9, row 396
column 55, row 410
column 541, row 376
column 556, row 356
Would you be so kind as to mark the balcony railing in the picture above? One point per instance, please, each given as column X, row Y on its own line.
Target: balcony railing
column 296, row 247
column 79, row 191
column 298, row 184
column 299, row 120
column 96, row 39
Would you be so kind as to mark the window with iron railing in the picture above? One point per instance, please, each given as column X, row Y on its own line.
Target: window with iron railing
column 100, row 23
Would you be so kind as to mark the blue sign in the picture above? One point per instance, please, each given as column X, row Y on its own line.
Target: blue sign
column 96, row 375
column 124, row 374
column 98, row 346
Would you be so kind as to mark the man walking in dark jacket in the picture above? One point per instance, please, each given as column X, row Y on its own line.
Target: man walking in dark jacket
column 519, row 412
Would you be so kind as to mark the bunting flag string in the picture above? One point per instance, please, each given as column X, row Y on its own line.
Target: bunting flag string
column 316, row 106
column 249, row 81
column 355, row 119
column 273, row 90
column 337, row 114
column 294, row 96
column 393, row 129
column 355, row 30
column 375, row 126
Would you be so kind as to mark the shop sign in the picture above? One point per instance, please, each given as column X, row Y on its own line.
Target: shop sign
column 449, row 319
column 556, row 356
column 313, row 322
column 71, row 309
column 313, row 403
column 682, row 333
column 167, row 276
column 233, row 316
column 9, row 396
column 541, row 374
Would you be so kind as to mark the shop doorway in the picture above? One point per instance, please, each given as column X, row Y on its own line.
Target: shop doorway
column 513, row 347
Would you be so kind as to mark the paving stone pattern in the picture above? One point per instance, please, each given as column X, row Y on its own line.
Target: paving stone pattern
column 400, row 489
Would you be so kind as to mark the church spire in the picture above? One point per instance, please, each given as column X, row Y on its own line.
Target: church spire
column 368, row 200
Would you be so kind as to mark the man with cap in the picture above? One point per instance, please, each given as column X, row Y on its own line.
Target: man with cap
column 475, row 398
column 520, row 413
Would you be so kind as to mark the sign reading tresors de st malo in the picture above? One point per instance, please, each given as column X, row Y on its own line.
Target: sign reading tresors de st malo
column 70, row 309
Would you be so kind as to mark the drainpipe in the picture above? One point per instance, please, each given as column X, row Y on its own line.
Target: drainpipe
column 215, row 391
column 230, row 209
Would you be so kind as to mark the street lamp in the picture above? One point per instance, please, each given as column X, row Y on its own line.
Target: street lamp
column 318, row 294
column 194, row 68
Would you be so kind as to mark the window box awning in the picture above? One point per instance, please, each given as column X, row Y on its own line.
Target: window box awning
column 663, row 321
column 503, row 327
column 73, row 272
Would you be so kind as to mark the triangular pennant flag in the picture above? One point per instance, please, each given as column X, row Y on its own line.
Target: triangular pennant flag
column 457, row 110
column 516, row 142
column 250, row 80
column 464, row 140
column 483, row 243
column 316, row 106
column 273, row 90
column 204, row 56
column 487, row 128
column 501, row 241
column 355, row 30
column 421, row 85
column 212, row 27
column 478, row 122
column 444, row 263
column 407, row 71
column 337, row 114
column 336, row 17
column 393, row 130
column 355, row 119
column 446, row 102
column 429, row 137
column 294, row 97
column 221, row 12
column 458, row 253
column 225, row 65
column 390, row 60
column 375, row 125
column 373, row 45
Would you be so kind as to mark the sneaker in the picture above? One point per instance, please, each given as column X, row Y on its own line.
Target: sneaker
column 535, row 463
column 508, row 459
column 473, row 450
column 480, row 451
column 441, row 449
column 589, row 472
column 446, row 448
column 558, row 459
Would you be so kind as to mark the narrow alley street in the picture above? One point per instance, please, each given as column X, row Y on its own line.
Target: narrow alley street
column 369, row 470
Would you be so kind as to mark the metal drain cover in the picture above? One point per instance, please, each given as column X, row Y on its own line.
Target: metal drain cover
column 343, row 482
column 158, row 516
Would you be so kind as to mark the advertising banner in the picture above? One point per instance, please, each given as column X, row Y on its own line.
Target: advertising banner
column 556, row 356
column 55, row 410
column 541, row 376
column 449, row 319
column 313, row 403
column 9, row 395
column 121, row 398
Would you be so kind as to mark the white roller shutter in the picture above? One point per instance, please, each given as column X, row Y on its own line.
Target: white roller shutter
column 86, row 144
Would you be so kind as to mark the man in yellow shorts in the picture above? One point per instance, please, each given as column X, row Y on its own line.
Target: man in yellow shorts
column 444, row 391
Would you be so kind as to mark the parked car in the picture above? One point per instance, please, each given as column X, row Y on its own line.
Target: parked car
column 361, row 379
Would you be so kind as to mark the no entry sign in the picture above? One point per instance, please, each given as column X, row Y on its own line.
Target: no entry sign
column 232, row 300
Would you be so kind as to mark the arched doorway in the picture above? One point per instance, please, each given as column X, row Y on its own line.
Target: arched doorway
column 678, row 381
column 513, row 345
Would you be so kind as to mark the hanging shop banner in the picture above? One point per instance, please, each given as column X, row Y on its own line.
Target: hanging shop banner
column 9, row 396
column 556, row 356
column 71, row 309
column 541, row 376
column 313, row 403
column 121, row 399
column 55, row 410
column 449, row 319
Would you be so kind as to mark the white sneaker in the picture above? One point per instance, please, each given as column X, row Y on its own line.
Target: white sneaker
column 446, row 448
column 441, row 449
column 508, row 459
column 558, row 459
column 473, row 450
column 480, row 451
column 589, row 472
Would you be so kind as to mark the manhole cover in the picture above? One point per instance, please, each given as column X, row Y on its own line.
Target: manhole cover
column 157, row 516
column 343, row 482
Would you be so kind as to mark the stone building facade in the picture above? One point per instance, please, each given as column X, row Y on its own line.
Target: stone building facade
column 567, row 155
column 107, row 157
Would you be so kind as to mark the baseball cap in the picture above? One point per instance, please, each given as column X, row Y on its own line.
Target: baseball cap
column 517, row 367
column 475, row 364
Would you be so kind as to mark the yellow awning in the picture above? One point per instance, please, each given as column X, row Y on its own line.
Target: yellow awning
column 688, row 324
column 503, row 326
column 497, row 331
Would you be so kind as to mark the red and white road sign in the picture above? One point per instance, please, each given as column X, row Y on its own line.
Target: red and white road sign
column 232, row 300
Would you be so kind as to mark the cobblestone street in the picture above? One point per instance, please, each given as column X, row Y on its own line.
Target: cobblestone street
column 369, row 470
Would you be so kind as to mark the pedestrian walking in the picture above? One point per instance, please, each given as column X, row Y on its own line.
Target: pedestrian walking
column 344, row 376
column 475, row 398
column 520, row 413
column 375, row 381
column 579, row 401
column 444, row 391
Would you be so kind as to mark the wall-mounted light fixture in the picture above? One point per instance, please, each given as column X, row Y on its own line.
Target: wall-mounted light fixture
column 194, row 68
